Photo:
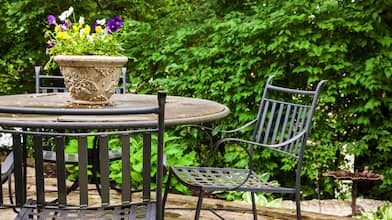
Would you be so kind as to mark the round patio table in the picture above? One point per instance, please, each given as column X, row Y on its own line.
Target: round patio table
column 179, row 110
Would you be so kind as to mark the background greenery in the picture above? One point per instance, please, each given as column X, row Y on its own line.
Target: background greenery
column 224, row 50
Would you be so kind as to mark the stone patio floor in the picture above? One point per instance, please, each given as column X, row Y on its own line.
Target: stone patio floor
column 329, row 209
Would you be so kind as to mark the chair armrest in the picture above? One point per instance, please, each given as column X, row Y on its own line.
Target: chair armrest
column 271, row 146
column 296, row 137
column 211, row 133
column 204, row 128
column 238, row 129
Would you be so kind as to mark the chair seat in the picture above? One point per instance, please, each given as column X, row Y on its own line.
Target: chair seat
column 114, row 154
column 211, row 178
column 136, row 211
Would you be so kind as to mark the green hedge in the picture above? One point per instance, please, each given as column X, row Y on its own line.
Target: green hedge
column 227, row 59
column 225, row 50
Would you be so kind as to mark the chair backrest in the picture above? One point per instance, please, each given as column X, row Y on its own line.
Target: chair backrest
column 122, row 134
column 285, row 117
column 45, row 83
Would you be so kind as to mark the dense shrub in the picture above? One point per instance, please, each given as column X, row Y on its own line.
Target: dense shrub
column 225, row 50
column 228, row 57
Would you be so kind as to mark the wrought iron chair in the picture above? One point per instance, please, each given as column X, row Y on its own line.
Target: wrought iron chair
column 38, row 204
column 283, row 124
column 55, row 83
column 50, row 83
column 45, row 83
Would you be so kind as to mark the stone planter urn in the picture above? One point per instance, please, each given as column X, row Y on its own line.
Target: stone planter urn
column 90, row 79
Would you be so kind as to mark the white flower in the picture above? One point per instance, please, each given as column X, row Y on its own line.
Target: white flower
column 90, row 38
column 66, row 14
column 81, row 20
column 101, row 22
column 81, row 31
column 5, row 140
column 70, row 11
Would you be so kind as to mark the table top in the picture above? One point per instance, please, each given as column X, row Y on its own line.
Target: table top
column 179, row 110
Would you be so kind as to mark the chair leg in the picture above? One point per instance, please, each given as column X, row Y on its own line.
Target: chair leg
column 10, row 192
column 254, row 206
column 298, row 204
column 166, row 191
column 199, row 202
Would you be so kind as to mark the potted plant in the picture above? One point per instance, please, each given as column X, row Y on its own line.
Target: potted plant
column 89, row 56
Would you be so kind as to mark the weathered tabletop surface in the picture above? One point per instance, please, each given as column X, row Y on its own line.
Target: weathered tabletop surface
column 179, row 110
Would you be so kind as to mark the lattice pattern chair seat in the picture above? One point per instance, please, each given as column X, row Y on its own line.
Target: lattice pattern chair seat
column 212, row 178
column 131, row 211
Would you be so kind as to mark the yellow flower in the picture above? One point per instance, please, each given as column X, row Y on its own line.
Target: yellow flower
column 57, row 28
column 76, row 27
column 98, row 29
column 63, row 35
column 87, row 29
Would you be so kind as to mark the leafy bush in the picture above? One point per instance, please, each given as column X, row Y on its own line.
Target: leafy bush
column 226, row 57
column 175, row 153
column 225, row 50
column 383, row 213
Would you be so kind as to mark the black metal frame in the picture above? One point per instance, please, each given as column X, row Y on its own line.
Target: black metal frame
column 61, row 131
column 281, row 125
column 41, row 81
column 39, row 88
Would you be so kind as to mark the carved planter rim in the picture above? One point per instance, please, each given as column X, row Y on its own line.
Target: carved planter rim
column 90, row 60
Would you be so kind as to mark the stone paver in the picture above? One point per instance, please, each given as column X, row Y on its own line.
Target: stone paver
column 181, row 201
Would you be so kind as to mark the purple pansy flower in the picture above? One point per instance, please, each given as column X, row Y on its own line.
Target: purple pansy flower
column 68, row 24
column 114, row 24
column 98, row 23
column 63, row 28
column 52, row 20
column 95, row 25
column 51, row 44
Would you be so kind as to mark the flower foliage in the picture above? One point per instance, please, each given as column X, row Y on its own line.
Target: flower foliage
column 78, row 38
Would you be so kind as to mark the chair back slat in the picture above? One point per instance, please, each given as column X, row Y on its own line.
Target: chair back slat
column 18, row 169
column 126, row 169
column 146, row 165
column 292, row 122
column 261, row 120
column 104, row 168
column 284, row 113
column 270, row 121
column 285, row 121
column 83, row 169
column 39, row 169
column 277, row 123
column 60, row 170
